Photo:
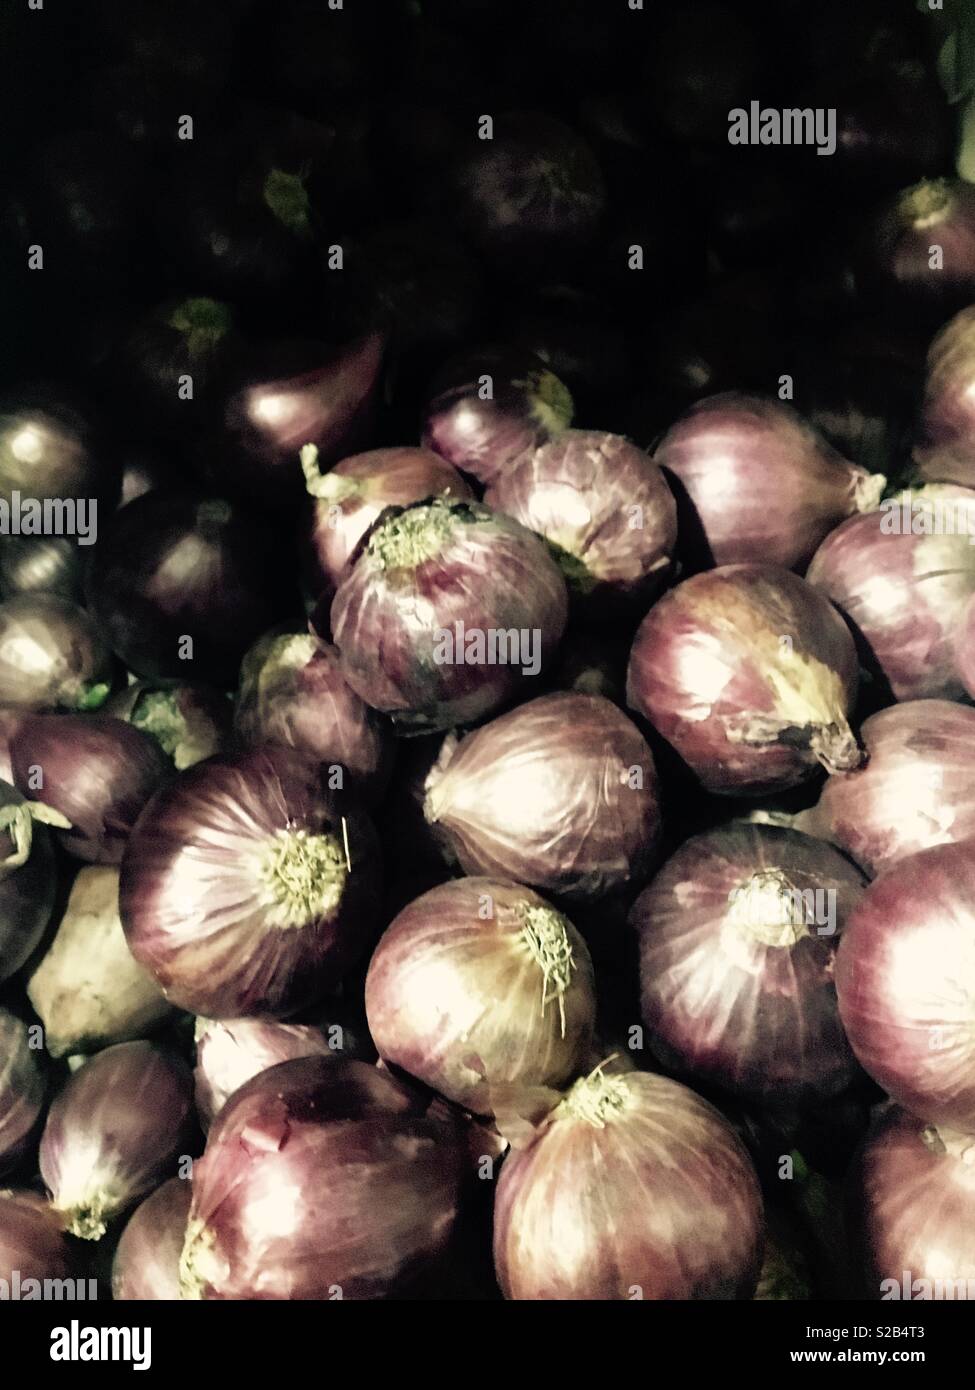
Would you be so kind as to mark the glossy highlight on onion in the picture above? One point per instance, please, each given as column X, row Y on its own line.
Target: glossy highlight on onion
column 51, row 655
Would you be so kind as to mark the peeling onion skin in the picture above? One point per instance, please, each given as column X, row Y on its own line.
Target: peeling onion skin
column 560, row 794
column 913, row 791
column 28, row 889
column 905, row 595
column 23, row 1091
column 910, row 1205
column 146, row 1262
column 606, row 510
column 905, row 979
column 736, row 987
column 764, row 486
column 32, row 1239
column 662, row 1198
column 114, row 1132
column 205, row 901
column 264, row 1224
column 454, row 993
column 945, row 451
column 751, row 675
column 51, row 655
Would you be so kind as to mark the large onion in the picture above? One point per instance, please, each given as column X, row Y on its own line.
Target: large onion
column 633, row 1188
column 28, row 879
column 946, row 448
column 51, row 656
column 146, row 1262
column 738, row 937
column 23, row 1090
column 751, row 675
column 481, row 983
column 189, row 722
column 33, row 1244
column 248, row 887
column 560, row 794
column 762, row 484
column 905, row 977
column 264, row 1224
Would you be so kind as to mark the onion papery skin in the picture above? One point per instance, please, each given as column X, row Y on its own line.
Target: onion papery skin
column 189, row 722
column 32, row 1240
column 605, row 508
column 910, row 1208
column 763, row 484
column 293, row 694
column 481, row 983
column 146, row 1262
column 905, row 593
column 905, row 979
column 634, row 1187
column 28, row 881
column 414, row 615
column 737, row 971
column 23, row 1091
column 751, row 675
column 965, row 649
column 914, row 789
column 935, row 212
column 114, row 1132
column 560, row 794
column 483, row 435
column 264, row 1225
column 236, row 892
column 51, row 655
column 945, row 452
column 352, row 496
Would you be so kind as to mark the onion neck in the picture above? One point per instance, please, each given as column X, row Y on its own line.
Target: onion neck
column 303, row 876
column 836, row 748
column 87, row 1220
column 202, row 322
column 926, row 204
column 766, row 909
column 334, row 488
column 417, row 534
column 597, row 1099
column 91, row 696
column 552, row 404
column 546, row 939
column 197, row 1261
column 868, row 489
column 951, row 1141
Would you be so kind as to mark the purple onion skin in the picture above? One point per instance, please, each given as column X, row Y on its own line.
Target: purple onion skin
column 904, row 594
column 560, row 794
column 114, row 1132
column 905, row 978
column 189, row 722
column 77, row 669
column 605, row 508
column 27, row 890
column 146, row 1263
column 750, row 675
column 23, row 1091
column 910, row 1207
column 913, row 791
column 946, row 449
column 528, row 404
column 934, row 213
column 465, row 941
column 763, row 484
column 32, row 1240
column 463, row 564
column 293, row 694
column 734, row 994
column 387, row 1209
column 965, row 649
column 97, row 771
column 659, row 1198
column 205, row 895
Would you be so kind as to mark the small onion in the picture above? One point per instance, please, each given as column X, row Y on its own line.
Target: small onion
column 51, row 656
column 481, row 983
column 23, row 1091
column 934, row 213
column 265, row 1225
column 189, row 722
column 751, row 675
column 88, row 989
column 905, row 978
column 605, row 509
column 560, row 794
column 633, row 1187
column 41, row 564
column 762, row 483
column 247, row 887
column 738, row 936
column 48, row 450
column 114, row 1132
column 146, row 1262
column 32, row 1242
column 97, row 772
column 946, row 448
column 446, row 614
column 28, row 879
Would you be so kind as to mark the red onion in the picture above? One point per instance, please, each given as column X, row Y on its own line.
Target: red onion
column 41, row 564
column 355, row 493
column 763, row 485
column 965, row 648
column 634, row 1187
column 114, row 1132
column 23, row 1090
column 914, row 790
column 97, row 772
column 751, row 675
column 935, row 216
column 51, row 656
column 560, row 794
column 146, row 1263
column 911, row 1210
column 946, row 447
column 488, row 408
column 248, row 887
column 738, row 936
column 264, row 1224
column 292, row 693
column 605, row 509
column 903, row 576
column 189, row 722
column 905, row 977
column 446, row 614
column 481, row 983
column 28, row 879
column 33, row 1245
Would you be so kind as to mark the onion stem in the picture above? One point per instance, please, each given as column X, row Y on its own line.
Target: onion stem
column 767, row 908
column 547, row 940
column 596, row 1098
column 303, row 875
